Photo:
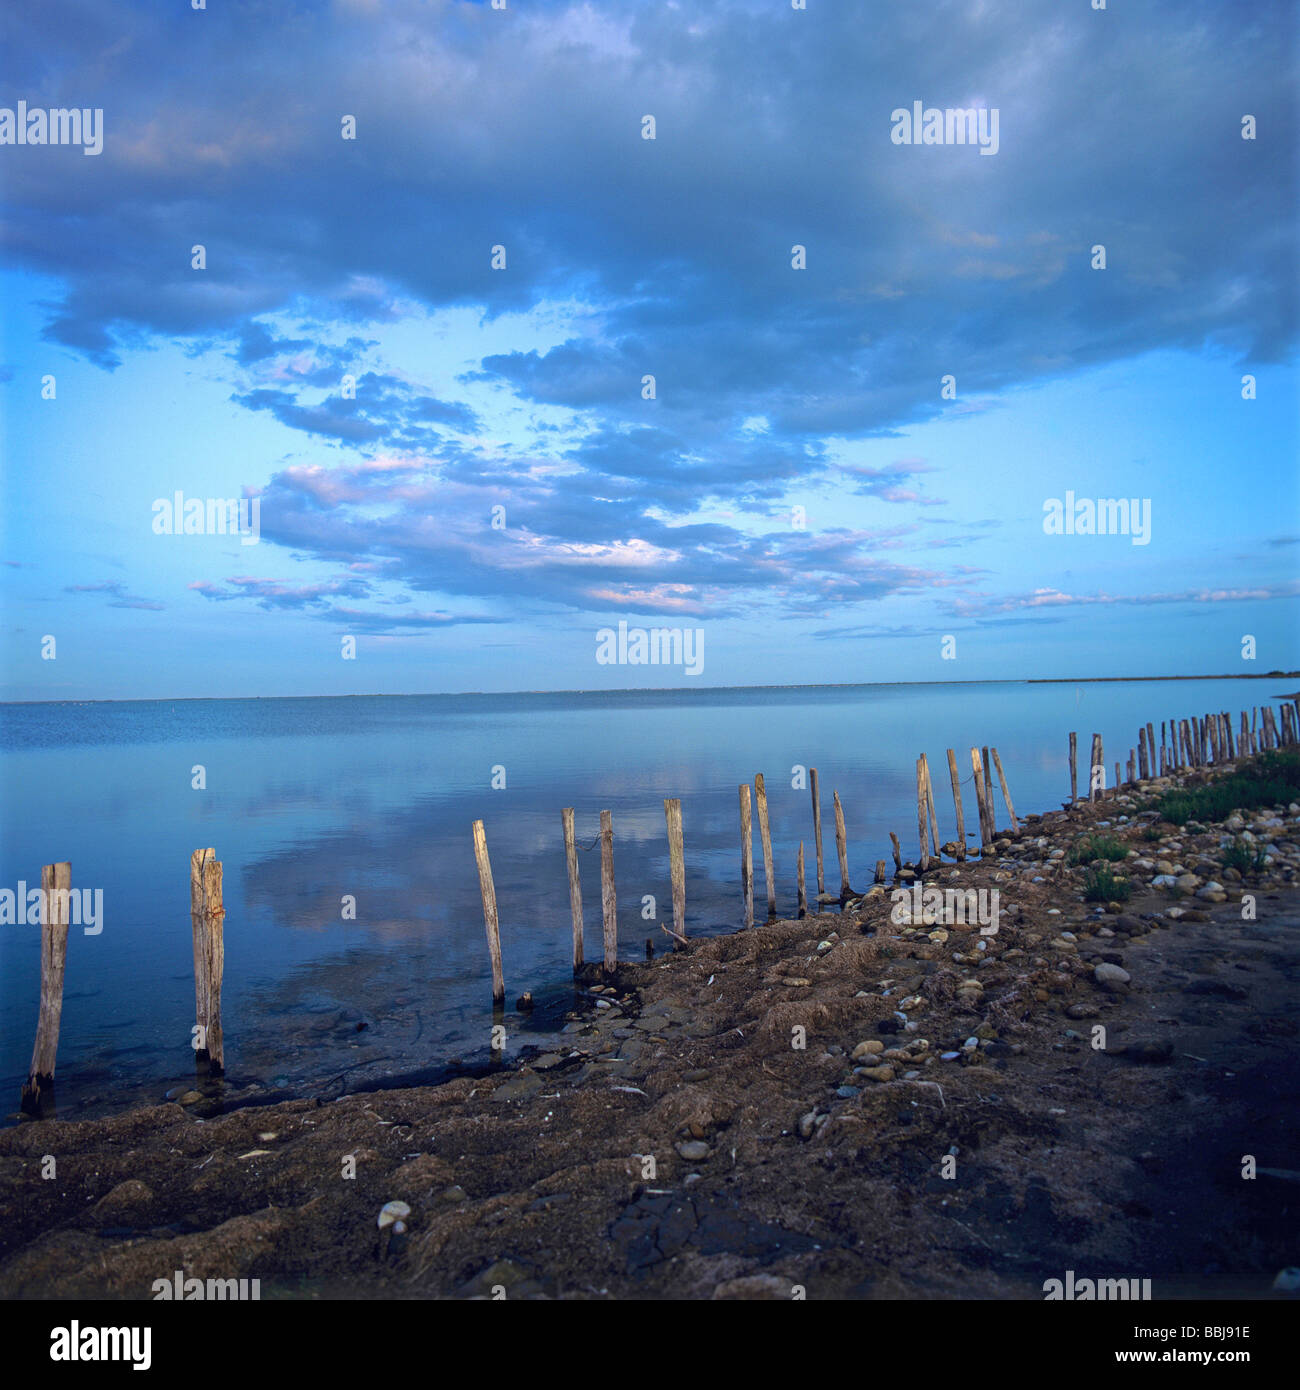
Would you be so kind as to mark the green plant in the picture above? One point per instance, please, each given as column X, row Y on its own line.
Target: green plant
column 1243, row 857
column 1272, row 778
column 1105, row 886
column 1153, row 832
column 1091, row 847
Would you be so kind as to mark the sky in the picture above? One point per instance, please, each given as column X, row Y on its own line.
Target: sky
column 441, row 259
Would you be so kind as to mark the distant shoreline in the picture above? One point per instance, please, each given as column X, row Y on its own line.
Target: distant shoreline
column 670, row 689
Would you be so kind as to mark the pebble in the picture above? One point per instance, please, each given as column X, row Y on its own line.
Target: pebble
column 1111, row 977
column 885, row 1072
column 692, row 1150
column 847, row 1092
column 866, row 1049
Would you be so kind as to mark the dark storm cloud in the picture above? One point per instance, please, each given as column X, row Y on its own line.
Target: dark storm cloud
column 522, row 128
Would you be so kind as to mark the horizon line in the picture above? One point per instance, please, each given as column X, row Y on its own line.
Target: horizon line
column 657, row 689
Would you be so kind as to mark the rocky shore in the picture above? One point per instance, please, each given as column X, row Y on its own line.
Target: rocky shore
column 862, row 1103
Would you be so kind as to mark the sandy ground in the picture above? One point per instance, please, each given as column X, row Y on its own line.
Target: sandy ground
column 682, row 1144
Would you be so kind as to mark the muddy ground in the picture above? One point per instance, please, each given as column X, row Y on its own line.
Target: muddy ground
column 774, row 1166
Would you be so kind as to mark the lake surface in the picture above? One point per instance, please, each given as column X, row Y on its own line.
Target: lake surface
column 309, row 801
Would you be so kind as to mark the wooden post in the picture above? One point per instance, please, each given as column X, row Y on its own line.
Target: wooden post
column 924, row 862
column 956, row 801
column 1115, row 789
column 488, row 893
column 1227, row 735
column 803, row 894
column 1074, row 768
column 608, row 897
column 1151, row 749
column 575, row 885
column 1006, row 795
column 841, row 845
column 929, row 805
column 765, row 839
column 676, row 862
column 987, row 765
column 1132, row 771
column 978, row 769
column 207, row 920
column 56, row 888
column 1143, row 765
column 817, row 832
column 747, row 853
column 898, row 857
column 1254, row 730
column 1243, row 738
column 1096, row 760
column 881, row 869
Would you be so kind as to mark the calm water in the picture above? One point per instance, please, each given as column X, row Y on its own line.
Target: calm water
column 309, row 800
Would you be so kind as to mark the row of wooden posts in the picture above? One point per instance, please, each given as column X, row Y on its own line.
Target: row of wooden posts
column 1185, row 744
column 1189, row 744
column 751, row 799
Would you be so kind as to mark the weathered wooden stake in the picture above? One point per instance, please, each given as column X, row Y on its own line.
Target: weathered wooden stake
column 841, row 846
column 978, row 769
column 608, row 895
column 1096, row 769
column 747, row 853
column 1074, row 768
column 676, row 862
column 56, row 888
column 575, row 885
column 765, row 839
column 956, row 802
column 987, row 765
column 882, row 868
column 929, row 805
column 488, row 893
column 1006, row 795
column 817, row 831
column 924, row 862
column 898, row 856
column 207, row 921
column 803, row 893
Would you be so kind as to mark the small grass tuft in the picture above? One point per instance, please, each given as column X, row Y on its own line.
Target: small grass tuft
column 1244, row 857
column 1094, row 846
column 1105, row 886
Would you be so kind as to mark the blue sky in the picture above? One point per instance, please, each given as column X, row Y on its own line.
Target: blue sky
column 521, row 388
